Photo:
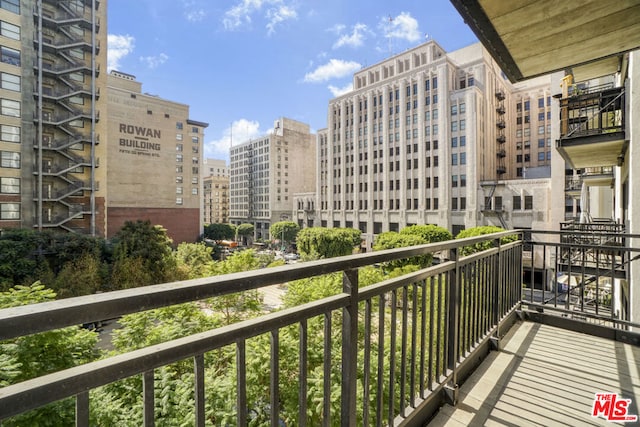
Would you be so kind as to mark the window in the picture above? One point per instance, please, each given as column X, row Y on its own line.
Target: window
column 454, row 203
column 462, row 107
column 195, row 139
column 435, row 203
column 454, row 181
column 454, row 159
column 454, row 126
column 194, row 191
column 178, row 137
column 517, row 203
column 463, row 124
column 435, row 182
column 541, row 130
column 528, row 202
column 178, row 200
column 9, row 107
column 463, row 141
column 179, row 158
column 463, row 203
column 179, row 147
column 10, row 159
column 541, row 156
column 9, row 30
column 179, row 125
column 454, row 142
column 526, row 105
column 178, row 179
column 10, row 133
column 540, row 102
column 463, row 180
column 9, row 211
column 454, row 110
column 10, row 56
column 9, row 185
column 463, row 158
column 541, row 143
column 178, row 190
column 10, row 5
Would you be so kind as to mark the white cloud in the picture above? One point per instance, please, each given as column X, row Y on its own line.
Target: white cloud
column 154, row 61
column 355, row 39
column 276, row 12
column 278, row 15
column 335, row 68
column 118, row 46
column 403, row 26
column 192, row 12
column 337, row 29
column 339, row 91
column 240, row 131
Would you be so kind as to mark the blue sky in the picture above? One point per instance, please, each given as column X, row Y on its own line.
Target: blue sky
column 241, row 64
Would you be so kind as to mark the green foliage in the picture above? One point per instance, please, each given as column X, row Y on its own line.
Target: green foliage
column 430, row 233
column 35, row 355
column 284, row 230
column 219, row 231
column 82, row 276
column 482, row 246
column 319, row 242
column 392, row 240
column 148, row 243
column 245, row 230
column 17, row 256
column 193, row 259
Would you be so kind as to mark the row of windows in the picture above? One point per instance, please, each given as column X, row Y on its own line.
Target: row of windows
column 9, row 185
column 194, row 190
column 180, row 126
column 194, row 149
column 527, row 157
column 394, row 204
column 458, row 203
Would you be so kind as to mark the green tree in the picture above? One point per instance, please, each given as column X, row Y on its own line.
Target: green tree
column 194, row 259
column 392, row 240
column 479, row 231
column 430, row 233
column 19, row 258
column 151, row 245
column 245, row 231
column 319, row 242
column 284, row 230
column 82, row 276
column 35, row 355
column 219, row 231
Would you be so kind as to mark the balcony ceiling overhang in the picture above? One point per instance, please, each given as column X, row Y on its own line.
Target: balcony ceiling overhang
column 597, row 152
column 530, row 38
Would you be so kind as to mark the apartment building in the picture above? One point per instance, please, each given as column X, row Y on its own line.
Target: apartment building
column 430, row 137
column 155, row 161
column 265, row 172
column 216, row 191
column 52, row 57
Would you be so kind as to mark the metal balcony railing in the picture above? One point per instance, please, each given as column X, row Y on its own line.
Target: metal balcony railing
column 595, row 112
column 431, row 320
column 406, row 343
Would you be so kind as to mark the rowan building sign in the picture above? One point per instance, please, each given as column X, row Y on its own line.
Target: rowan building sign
column 139, row 140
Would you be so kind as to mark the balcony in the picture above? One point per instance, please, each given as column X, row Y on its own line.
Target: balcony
column 592, row 127
column 464, row 335
column 501, row 139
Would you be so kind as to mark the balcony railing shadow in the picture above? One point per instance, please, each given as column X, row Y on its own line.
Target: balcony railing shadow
column 405, row 344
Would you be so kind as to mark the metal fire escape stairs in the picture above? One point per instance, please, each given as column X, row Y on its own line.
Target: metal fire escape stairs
column 65, row 151
column 490, row 205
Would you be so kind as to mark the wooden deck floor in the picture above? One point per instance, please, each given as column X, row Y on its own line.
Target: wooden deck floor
column 545, row 376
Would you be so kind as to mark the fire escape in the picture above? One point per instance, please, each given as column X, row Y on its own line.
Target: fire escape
column 491, row 206
column 65, row 115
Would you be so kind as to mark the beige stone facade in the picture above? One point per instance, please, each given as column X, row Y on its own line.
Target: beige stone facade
column 427, row 137
column 265, row 173
column 216, row 191
column 154, row 158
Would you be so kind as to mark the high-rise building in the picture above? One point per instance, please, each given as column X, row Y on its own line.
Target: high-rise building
column 430, row 137
column 154, row 159
column 216, row 191
column 52, row 61
column 265, row 172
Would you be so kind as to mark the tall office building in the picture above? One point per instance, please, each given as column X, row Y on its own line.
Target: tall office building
column 216, row 191
column 265, row 173
column 52, row 61
column 154, row 159
column 430, row 137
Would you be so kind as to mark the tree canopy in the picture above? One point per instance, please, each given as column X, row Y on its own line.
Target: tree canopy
column 245, row 229
column 392, row 240
column 284, row 230
column 219, row 231
column 320, row 242
column 482, row 246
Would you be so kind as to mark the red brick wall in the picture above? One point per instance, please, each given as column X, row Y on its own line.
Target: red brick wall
column 183, row 225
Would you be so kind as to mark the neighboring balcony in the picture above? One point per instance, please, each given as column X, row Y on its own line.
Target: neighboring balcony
column 397, row 352
column 592, row 128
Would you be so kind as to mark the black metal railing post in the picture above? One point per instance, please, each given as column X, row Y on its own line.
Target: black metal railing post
column 349, row 349
column 453, row 314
